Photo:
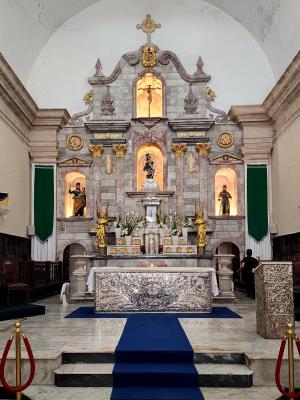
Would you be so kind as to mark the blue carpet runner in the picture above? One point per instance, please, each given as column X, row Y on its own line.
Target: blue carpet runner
column 154, row 361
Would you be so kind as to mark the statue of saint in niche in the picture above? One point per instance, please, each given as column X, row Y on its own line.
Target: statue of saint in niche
column 224, row 197
column 149, row 167
column 79, row 200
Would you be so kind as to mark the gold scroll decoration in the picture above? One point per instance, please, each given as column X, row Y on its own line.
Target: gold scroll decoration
column 120, row 150
column 203, row 149
column 225, row 139
column 179, row 149
column 96, row 150
column 74, row 142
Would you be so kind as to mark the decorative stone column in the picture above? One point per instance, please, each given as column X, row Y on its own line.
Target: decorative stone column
column 225, row 273
column 179, row 150
column 97, row 152
column 120, row 151
column 274, row 298
column 203, row 149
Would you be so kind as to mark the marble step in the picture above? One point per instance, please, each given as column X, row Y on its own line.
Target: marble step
column 109, row 357
column 100, row 375
column 50, row 392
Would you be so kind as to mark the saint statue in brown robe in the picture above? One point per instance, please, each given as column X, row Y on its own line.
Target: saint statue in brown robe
column 224, row 197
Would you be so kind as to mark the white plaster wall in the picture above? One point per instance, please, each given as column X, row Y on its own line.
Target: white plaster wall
column 15, row 180
column 285, row 179
column 240, row 70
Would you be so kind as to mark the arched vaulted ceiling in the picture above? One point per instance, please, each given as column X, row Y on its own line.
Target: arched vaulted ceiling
column 26, row 26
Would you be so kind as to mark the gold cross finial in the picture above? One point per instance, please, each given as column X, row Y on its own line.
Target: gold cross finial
column 148, row 26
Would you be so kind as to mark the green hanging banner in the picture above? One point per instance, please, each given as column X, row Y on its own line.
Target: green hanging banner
column 257, row 201
column 43, row 201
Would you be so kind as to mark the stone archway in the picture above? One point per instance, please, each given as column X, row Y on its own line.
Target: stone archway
column 68, row 263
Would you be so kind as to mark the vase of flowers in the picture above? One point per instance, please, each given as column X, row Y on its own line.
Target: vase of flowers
column 175, row 231
column 161, row 220
column 139, row 224
column 118, row 227
column 186, row 223
column 128, row 227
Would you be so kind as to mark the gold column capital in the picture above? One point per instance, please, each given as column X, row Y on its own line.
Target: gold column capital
column 96, row 150
column 120, row 150
column 179, row 149
column 203, row 149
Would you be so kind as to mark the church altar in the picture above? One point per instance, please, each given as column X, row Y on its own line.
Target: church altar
column 153, row 289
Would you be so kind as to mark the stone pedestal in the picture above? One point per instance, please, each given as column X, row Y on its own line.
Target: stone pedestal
column 151, row 235
column 225, row 274
column 79, row 283
column 79, row 276
column 274, row 298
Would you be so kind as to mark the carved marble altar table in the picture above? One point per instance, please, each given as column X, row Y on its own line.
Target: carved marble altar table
column 153, row 290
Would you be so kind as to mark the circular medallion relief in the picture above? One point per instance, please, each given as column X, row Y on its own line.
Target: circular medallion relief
column 225, row 139
column 75, row 142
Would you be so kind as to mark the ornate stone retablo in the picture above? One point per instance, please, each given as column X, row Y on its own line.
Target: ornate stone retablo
column 75, row 142
column 225, row 139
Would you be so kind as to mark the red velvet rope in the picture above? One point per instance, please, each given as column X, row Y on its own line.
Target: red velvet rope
column 278, row 369
column 19, row 388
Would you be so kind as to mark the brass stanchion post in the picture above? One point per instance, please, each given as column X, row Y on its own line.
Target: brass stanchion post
column 290, row 338
column 18, row 358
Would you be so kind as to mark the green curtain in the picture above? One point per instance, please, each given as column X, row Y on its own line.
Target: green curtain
column 43, row 202
column 257, row 201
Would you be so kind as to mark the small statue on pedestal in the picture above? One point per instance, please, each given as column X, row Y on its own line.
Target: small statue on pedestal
column 79, row 198
column 102, row 219
column 149, row 185
column 201, row 231
column 224, row 197
column 149, row 167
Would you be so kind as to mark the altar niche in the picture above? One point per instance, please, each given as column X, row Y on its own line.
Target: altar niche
column 226, row 181
column 149, row 96
column 72, row 179
column 158, row 163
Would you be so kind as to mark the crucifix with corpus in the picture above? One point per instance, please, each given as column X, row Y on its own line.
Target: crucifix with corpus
column 149, row 89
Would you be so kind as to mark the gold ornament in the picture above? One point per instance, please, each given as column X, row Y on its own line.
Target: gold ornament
column 75, row 142
column 102, row 219
column 225, row 139
column 149, row 56
column 203, row 149
column 201, row 229
column 148, row 26
column 96, row 150
column 191, row 163
column 210, row 94
column 88, row 96
column 179, row 149
column 120, row 150
column 109, row 164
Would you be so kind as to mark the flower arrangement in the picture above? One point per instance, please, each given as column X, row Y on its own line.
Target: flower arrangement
column 161, row 219
column 186, row 221
column 140, row 220
column 118, row 222
column 128, row 225
column 175, row 230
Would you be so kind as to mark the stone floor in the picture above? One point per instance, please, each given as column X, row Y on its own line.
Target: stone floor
column 51, row 334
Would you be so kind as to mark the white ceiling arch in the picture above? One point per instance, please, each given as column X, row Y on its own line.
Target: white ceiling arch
column 27, row 27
